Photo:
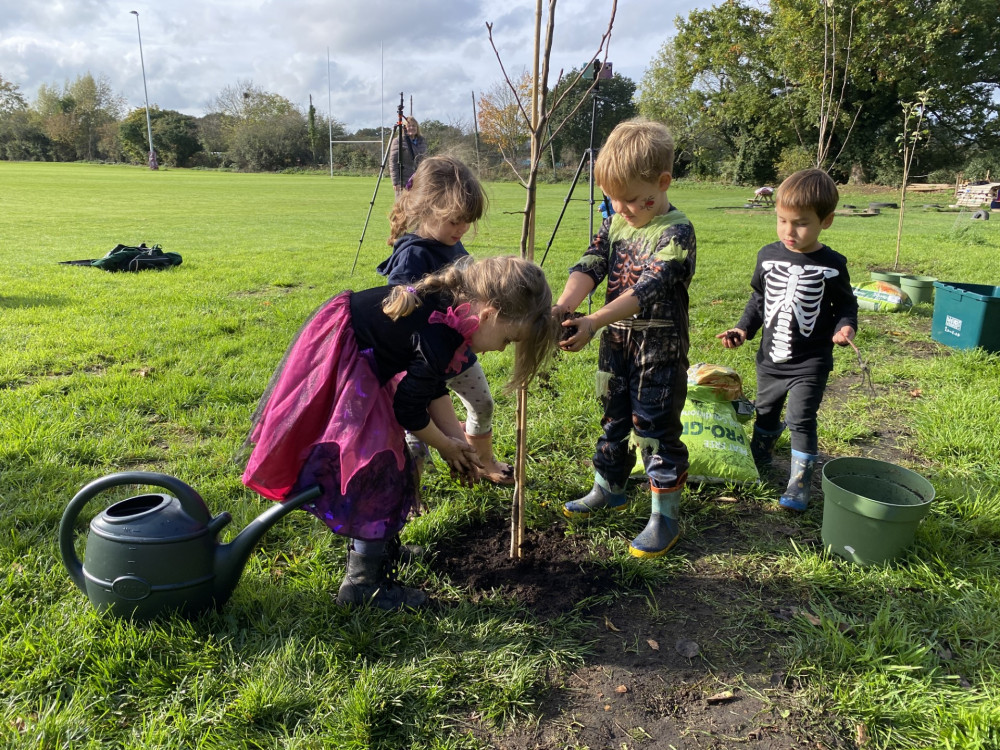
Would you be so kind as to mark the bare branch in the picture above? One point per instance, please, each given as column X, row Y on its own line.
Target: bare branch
column 846, row 137
column 517, row 96
column 553, row 132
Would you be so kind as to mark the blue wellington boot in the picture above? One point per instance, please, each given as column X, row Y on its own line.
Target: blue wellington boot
column 796, row 496
column 662, row 531
column 762, row 445
column 601, row 497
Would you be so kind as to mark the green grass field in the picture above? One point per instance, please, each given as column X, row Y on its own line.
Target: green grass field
column 156, row 371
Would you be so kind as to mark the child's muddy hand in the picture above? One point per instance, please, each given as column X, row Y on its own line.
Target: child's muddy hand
column 732, row 338
column 463, row 462
column 578, row 331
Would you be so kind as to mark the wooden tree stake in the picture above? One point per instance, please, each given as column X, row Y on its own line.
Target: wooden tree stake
column 538, row 123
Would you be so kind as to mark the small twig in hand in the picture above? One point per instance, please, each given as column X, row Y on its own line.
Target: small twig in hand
column 866, row 373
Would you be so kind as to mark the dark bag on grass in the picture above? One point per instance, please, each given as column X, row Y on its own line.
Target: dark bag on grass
column 126, row 258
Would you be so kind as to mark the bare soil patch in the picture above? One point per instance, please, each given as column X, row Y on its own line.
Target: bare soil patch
column 695, row 663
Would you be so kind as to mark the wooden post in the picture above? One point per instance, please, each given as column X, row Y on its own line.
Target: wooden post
column 517, row 522
column 538, row 118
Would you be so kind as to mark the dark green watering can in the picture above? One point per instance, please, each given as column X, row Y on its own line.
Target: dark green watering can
column 155, row 553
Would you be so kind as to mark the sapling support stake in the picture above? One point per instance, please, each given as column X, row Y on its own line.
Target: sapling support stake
column 538, row 122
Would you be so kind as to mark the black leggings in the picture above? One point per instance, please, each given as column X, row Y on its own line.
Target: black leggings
column 804, row 394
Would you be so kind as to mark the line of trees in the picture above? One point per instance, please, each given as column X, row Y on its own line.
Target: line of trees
column 753, row 91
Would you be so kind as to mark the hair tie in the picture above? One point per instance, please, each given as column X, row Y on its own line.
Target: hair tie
column 409, row 183
column 411, row 290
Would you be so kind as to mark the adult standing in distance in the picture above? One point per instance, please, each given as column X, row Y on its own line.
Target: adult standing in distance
column 403, row 164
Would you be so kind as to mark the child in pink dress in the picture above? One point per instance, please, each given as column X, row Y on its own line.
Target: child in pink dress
column 369, row 365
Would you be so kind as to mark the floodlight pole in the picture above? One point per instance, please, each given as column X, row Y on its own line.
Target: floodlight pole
column 145, row 91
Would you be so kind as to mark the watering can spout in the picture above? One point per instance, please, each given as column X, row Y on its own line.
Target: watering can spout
column 230, row 559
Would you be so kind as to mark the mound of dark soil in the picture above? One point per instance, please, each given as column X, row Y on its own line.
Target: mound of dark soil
column 686, row 665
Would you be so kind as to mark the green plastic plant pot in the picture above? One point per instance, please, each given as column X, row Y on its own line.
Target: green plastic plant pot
column 920, row 289
column 892, row 278
column 871, row 509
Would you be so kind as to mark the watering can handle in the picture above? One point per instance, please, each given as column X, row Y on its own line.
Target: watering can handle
column 190, row 500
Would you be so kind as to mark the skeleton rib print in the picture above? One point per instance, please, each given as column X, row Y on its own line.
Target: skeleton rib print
column 792, row 290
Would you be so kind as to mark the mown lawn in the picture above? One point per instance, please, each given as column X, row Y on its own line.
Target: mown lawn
column 161, row 371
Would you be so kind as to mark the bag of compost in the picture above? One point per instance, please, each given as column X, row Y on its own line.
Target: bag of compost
column 718, row 448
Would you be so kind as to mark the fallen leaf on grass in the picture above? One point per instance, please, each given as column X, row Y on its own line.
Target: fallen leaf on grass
column 861, row 734
column 607, row 707
column 809, row 616
column 916, row 393
column 687, row 649
column 621, row 689
column 725, row 499
column 844, row 627
column 610, row 625
column 653, row 644
column 723, row 697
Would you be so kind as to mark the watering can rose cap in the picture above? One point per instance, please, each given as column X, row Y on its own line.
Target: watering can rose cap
column 156, row 553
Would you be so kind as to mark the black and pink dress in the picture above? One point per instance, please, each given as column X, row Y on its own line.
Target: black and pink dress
column 336, row 409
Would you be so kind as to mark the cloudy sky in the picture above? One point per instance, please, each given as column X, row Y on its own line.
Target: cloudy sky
column 435, row 51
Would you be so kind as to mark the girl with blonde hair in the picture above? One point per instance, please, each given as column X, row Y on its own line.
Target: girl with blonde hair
column 427, row 224
column 369, row 365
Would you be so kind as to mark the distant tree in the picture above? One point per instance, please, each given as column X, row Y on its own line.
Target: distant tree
column 272, row 143
column 264, row 131
column 610, row 103
column 765, row 82
column 449, row 139
column 501, row 122
column 175, row 136
column 22, row 137
column 313, row 132
column 11, row 99
column 212, row 136
column 75, row 118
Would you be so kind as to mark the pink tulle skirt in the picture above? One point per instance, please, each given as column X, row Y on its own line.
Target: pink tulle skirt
column 326, row 420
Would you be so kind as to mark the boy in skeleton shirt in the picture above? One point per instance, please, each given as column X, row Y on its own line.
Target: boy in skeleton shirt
column 646, row 250
column 803, row 303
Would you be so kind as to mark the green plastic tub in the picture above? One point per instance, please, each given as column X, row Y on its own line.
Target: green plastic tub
column 871, row 509
column 966, row 316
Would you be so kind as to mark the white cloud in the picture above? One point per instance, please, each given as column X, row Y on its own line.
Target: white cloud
column 436, row 52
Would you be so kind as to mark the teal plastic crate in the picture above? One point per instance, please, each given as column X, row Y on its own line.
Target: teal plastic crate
column 966, row 316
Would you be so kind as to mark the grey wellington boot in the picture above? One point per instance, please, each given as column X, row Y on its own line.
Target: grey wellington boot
column 599, row 498
column 762, row 445
column 370, row 581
